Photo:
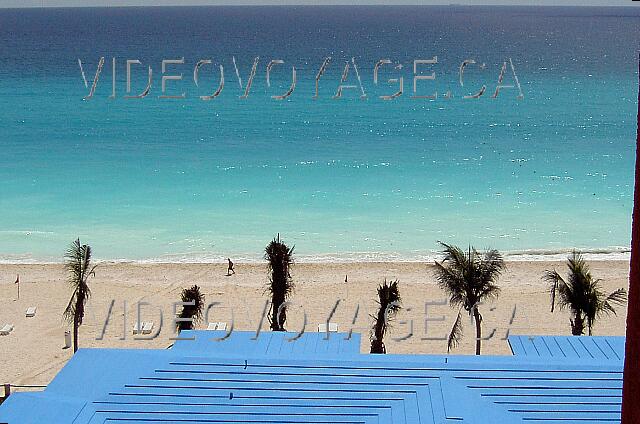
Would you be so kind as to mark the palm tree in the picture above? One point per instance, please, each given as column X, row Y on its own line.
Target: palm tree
column 280, row 261
column 78, row 266
column 191, row 314
column 388, row 306
column 468, row 278
column 582, row 295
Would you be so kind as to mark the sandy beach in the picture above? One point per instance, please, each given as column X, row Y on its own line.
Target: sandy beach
column 33, row 351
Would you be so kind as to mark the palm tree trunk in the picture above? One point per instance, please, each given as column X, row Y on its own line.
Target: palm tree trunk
column 75, row 334
column 577, row 325
column 77, row 317
column 278, row 314
column 377, row 344
column 476, row 316
column 274, row 317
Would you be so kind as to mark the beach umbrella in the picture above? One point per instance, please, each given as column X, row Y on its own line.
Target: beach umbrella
column 631, row 385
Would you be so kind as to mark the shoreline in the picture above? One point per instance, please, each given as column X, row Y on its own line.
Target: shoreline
column 533, row 255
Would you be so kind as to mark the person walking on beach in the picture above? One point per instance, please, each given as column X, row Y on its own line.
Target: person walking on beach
column 230, row 269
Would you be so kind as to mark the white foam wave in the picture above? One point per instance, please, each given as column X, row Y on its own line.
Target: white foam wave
column 604, row 254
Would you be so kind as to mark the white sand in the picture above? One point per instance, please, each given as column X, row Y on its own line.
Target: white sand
column 33, row 354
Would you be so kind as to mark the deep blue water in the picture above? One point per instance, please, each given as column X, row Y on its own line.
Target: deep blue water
column 347, row 178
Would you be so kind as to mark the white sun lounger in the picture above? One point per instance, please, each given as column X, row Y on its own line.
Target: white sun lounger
column 147, row 327
column 8, row 328
column 217, row 326
column 137, row 327
column 333, row 327
column 31, row 311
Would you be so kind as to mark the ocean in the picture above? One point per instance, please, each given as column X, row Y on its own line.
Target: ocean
column 535, row 172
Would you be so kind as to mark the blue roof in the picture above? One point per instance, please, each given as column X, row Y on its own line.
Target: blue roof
column 604, row 348
column 313, row 380
column 269, row 343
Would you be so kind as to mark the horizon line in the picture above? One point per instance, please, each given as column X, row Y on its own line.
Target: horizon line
column 249, row 4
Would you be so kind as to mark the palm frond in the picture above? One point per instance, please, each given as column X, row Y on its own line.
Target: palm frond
column 279, row 259
column 70, row 310
column 454, row 255
column 582, row 294
column 450, row 279
column 491, row 267
column 618, row 297
column 192, row 312
column 389, row 296
column 468, row 278
column 455, row 335
column 389, row 304
column 554, row 279
column 79, row 269
column 489, row 291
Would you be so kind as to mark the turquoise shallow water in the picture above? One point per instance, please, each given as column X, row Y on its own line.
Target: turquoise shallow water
column 348, row 179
